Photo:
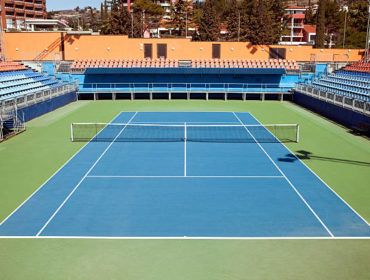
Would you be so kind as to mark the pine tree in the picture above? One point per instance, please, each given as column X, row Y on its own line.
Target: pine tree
column 209, row 26
column 125, row 20
column 248, row 10
column 309, row 15
column 320, row 30
column 277, row 11
column 181, row 15
column 233, row 20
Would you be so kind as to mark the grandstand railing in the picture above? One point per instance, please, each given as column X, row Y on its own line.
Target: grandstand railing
column 14, row 103
column 186, row 87
column 340, row 100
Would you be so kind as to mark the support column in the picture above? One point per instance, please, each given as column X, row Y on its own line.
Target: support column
column 132, row 96
column 262, row 97
column 151, row 95
column 95, row 96
column 207, row 97
column 225, row 96
column 114, row 96
column 188, row 95
column 244, row 95
column 281, row 97
column 169, row 96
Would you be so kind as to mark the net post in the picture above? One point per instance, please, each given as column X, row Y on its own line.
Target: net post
column 297, row 137
column 72, row 138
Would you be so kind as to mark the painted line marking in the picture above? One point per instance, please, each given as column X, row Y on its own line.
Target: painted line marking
column 56, row 172
column 83, row 178
column 286, row 178
column 345, row 202
column 118, row 176
column 189, row 237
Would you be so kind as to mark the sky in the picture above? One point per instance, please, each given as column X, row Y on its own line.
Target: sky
column 70, row 4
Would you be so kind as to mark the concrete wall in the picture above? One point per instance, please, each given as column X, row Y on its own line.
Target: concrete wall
column 28, row 46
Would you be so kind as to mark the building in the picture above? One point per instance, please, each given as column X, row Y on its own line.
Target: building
column 165, row 4
column 295, row 25
column 14, row 13
column 309, row 34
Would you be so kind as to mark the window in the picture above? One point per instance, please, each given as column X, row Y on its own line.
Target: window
column 10, row 23
column 277, row 53
column 148, row 51
column 161, row 50
column 216, row 51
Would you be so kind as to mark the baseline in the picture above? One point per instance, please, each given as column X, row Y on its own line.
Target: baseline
column 286, row 178
column 83, row 178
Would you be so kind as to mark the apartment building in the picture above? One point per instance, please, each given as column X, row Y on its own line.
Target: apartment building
column 15, row 12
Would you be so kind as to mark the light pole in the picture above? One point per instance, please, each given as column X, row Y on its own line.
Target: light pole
column 345, row 9
column 186, row 24
column 239, row 28
column 132, row 24
column 367, row 58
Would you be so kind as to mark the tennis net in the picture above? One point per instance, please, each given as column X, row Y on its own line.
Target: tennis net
column 128, row 132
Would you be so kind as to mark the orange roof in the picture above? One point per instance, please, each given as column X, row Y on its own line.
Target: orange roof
column 310, row 28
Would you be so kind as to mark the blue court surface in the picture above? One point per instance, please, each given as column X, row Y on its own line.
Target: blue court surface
column 184, row 189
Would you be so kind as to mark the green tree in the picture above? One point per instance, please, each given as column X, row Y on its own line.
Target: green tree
column 309, row 15
column 150, row 14
column 180, row 13
column 320, row 29
column 357, row 24
column 232, row 17
column 209, row 25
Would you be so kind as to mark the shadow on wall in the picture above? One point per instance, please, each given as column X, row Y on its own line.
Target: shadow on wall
column 305, row 155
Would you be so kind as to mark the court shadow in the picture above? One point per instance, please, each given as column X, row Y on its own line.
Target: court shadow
column 305, row 155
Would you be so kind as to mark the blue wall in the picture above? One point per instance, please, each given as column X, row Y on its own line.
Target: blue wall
column 339, row 114
column 188, row 78
column 36, row 110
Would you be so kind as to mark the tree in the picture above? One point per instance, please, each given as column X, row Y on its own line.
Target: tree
column 259, row 27
column 209, row 25
column 278, row 13
column 150, row 14
column 320, row 29
column 357, row 24
column 309, row 15
column 233, row 20
column 180, row 13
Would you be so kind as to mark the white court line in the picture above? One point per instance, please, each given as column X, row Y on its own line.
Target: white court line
column 187, row 238
column 83, row 178
column 60, row 168
column 286, row 178
column 118, row 176
column 349, row 206
column 181, row 122
column 185, row 136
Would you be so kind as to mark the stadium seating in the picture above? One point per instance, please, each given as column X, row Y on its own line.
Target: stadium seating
column 16, row 80
column 360, row 67
column 347, row 83
column 82, row 64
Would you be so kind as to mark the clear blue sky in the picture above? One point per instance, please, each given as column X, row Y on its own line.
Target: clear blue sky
column 70, row 4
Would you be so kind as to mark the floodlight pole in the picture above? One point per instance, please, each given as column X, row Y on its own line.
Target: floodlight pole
column 239, row 28
column 186, row 24
column 367, row 58
column 132, row 24
column 345, row 8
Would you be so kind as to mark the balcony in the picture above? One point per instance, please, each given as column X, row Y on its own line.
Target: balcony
column 298, row 35
column 295, row 25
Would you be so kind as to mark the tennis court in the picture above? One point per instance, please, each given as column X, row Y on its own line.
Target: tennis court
column 242, row 187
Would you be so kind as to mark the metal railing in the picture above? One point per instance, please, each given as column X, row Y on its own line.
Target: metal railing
column 185, row 87
column 21, row 101
column 353, row 104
